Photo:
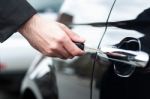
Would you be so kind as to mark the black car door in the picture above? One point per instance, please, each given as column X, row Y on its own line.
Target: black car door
column 127, row 19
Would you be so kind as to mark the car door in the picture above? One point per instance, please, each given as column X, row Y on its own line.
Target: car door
column 128, row 18
column 80, row 78
column 74, row 76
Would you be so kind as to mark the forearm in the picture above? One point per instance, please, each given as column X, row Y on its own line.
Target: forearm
column 13, row 13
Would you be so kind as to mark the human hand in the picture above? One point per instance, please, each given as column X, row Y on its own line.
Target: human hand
column 51, row 38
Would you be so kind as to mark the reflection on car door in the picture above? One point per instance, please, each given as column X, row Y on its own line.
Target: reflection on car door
column 74, row 76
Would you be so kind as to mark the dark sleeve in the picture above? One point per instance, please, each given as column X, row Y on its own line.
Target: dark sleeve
column 13, row 13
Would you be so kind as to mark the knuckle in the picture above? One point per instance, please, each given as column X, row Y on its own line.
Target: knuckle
column 61, row 39
column 47, row 51
column 54, row 47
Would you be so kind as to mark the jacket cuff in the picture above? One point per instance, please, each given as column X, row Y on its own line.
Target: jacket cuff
column 13, row 17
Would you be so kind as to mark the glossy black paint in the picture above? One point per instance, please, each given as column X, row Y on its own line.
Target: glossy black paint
column 71, row 78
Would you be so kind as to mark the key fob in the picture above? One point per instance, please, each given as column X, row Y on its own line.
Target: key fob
column 80, row 45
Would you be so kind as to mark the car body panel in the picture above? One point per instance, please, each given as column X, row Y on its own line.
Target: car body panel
column 73, row 76
column 65, row 81
column 41, row 81
column 128, row 10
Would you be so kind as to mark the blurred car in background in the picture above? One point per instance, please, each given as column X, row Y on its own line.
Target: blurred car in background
column 16, row 54
column 51, row 78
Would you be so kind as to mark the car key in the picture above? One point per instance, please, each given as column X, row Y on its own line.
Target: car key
column 86, row 48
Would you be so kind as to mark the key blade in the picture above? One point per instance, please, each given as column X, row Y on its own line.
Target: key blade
column 92, row 50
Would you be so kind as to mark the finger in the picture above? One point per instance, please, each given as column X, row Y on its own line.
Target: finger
column 64, row 53
column 58, row 50
column 72, row 48
column 74, row 37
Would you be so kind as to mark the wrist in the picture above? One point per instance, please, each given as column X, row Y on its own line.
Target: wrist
column 27, row 26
